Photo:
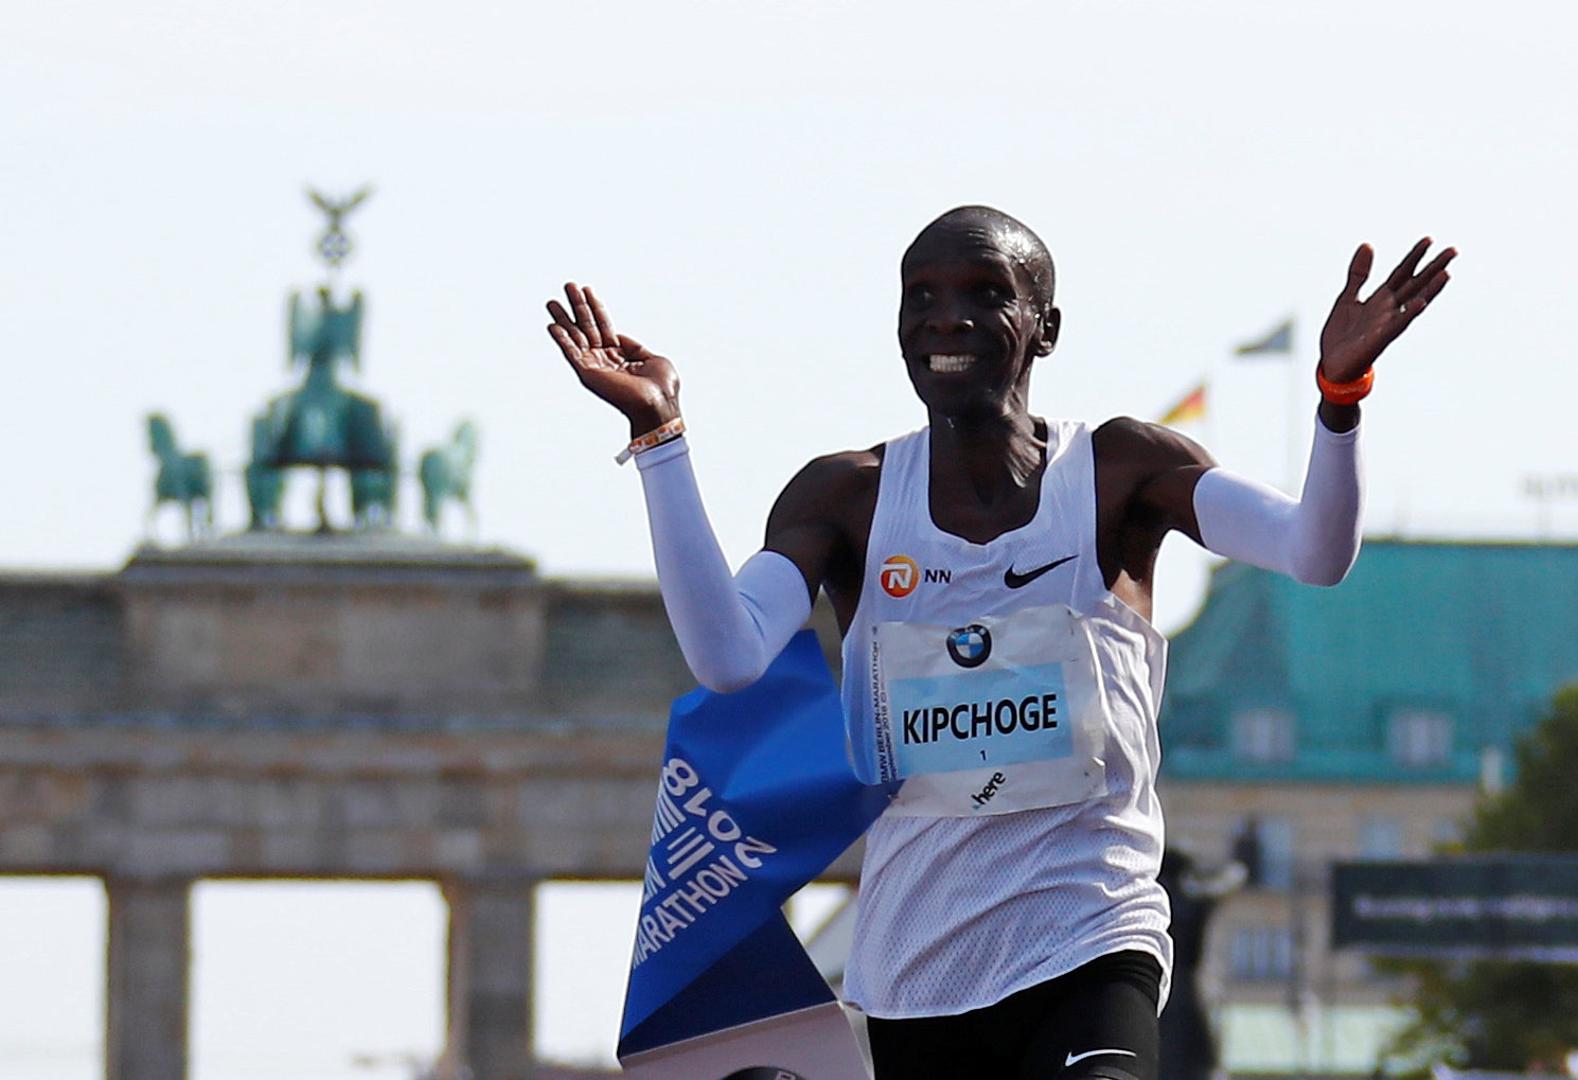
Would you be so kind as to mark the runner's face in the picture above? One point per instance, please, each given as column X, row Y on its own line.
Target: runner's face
column 968, row 323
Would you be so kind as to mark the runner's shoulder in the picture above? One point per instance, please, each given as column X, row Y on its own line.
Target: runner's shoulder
column 1127, row 443
column 833, row 485
column 847, row 472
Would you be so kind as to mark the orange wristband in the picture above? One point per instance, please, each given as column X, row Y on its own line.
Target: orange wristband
column 1347, row 393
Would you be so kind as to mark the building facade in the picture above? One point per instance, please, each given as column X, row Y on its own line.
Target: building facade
column 366, row 706
column 386, row 707
column 1306, row 726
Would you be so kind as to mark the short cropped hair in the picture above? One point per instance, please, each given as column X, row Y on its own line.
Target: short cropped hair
column 1015, row 237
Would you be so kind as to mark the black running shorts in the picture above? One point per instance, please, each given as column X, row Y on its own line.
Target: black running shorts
column 1099, row 1020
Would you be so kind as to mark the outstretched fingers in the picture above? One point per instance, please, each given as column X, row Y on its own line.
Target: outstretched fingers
column 572, row 351
column 585, row 333
column 583, row 315
column 1416, row 303
column 1422, row 280
column 1421, row 288
column 603, row 323
column 1405, row 269
column 572, row 341
column 562, row 319
column 1358, row 272
column 1358, row 331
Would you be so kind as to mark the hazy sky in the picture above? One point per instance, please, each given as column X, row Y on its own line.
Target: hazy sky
column 739, row 180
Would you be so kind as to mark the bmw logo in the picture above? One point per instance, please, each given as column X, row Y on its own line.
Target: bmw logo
column 970, row 645
column 764, row 1072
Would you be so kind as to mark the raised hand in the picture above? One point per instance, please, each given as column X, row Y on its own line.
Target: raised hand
column 616, row 367
column 1358, row 331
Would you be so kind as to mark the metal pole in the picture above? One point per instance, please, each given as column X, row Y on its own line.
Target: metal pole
column 1290, row 436
column 1298, row 996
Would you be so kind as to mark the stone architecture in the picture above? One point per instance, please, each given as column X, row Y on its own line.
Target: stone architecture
column 381, row 707
column 337, row 705
column 329, row 707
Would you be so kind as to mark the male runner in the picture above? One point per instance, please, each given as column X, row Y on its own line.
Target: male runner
column 991, row 574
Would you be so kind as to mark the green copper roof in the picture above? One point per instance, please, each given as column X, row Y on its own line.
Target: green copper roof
column 1480, row 633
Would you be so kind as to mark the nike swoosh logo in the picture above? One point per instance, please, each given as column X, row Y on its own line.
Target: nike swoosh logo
column 1072, row 1057
column 1019, row 581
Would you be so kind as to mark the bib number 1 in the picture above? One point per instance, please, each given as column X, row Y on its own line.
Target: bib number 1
column 1006, row 704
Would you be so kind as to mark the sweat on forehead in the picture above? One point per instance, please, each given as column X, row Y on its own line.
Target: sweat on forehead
column 1008, row 234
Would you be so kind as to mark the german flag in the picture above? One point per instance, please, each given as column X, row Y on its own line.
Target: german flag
column 1189, row 407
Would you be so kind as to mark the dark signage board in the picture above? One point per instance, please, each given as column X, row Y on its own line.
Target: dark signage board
column 1480, row 907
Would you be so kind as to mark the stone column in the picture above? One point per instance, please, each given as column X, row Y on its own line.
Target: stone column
column 490, row 978
column 148, row 960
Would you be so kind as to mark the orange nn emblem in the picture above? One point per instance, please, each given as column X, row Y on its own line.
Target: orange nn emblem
column 899, row 576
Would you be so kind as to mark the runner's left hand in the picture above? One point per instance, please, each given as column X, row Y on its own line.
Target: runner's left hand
column 1358, row 331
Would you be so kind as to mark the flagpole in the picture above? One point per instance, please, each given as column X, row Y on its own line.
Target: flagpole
column 1279, row 342
column 1208, row 421
column 1291, row 435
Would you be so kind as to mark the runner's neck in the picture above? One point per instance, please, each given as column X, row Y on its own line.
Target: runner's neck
column 995, row 458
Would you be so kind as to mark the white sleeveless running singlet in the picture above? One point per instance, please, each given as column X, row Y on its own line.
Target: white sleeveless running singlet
column 958, row 912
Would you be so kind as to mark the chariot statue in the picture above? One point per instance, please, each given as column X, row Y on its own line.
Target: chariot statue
column 320, row 424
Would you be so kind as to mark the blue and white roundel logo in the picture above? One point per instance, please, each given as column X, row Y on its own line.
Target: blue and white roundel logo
column 970, row 645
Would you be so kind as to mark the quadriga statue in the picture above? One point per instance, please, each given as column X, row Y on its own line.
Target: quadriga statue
column 321, row 424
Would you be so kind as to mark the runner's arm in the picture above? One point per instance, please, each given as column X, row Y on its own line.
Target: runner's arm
column 729, row 627
column 1177, row 485
column 1315, row 538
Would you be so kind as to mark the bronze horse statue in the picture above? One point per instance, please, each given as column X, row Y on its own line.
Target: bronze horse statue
column 184, row 479
column 446, row 474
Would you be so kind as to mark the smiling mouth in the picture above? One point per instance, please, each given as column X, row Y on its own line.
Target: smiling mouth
column 950, row 362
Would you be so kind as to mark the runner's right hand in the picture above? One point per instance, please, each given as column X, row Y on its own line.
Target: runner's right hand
column 616, row 367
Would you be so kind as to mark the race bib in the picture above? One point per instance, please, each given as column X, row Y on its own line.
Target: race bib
column 997, row 715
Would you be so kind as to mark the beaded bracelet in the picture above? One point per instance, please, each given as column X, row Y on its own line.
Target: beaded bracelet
column 666, row 432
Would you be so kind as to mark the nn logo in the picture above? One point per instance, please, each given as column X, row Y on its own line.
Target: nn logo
column 901, row 574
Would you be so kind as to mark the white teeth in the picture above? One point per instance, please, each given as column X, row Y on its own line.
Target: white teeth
column 955, row 362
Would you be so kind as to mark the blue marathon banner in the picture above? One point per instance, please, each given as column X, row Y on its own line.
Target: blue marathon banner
column 756, row 798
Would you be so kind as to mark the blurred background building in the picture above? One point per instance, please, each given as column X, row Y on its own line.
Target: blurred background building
column 338, row 698
column 369, row 707
column 343, row 699
column 1306, row 726
column 387, row 707
column 327, row 699
column 1196, row 168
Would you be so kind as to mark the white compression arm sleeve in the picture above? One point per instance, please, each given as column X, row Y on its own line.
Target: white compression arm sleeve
column 729, row 628
column 1314, row 539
